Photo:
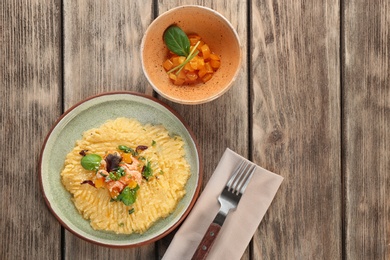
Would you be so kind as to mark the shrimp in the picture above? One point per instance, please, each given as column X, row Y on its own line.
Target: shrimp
column 131, row 174
column 134, row 165
column 115, row 188
column 103, row 165
column 101, row 174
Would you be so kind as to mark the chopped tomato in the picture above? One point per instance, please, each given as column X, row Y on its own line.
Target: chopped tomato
column 205, row 51
column 200, row 68
column 168, row 64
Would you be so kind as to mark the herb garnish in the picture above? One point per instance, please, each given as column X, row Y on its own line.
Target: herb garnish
column 116, row 175
column 128, row 195
column 177, row 42
column 127, row 149
column 91, row 162
column 147, row 171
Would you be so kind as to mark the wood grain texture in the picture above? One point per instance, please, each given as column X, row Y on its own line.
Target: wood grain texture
column 366, row 121
column 312, row 103
column 295, row 78
column 102, row 42
column 30, row 100
column 102, row 53
column 222, row 123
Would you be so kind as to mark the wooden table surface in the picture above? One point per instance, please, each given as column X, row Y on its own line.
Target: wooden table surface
column 311, row 103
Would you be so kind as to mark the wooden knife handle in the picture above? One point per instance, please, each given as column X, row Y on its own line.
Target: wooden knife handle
column 207, row 241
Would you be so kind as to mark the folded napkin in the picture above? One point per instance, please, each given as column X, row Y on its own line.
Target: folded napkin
column 239, row 226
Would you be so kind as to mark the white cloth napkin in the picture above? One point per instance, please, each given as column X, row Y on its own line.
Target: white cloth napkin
column 239, row 226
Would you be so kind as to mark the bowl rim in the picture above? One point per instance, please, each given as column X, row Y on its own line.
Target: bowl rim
column 187, row 101
column 175, row 224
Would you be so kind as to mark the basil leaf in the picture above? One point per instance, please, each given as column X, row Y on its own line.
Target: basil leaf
column 91, row 162
column 128, row 196
column 147, row 171
column 177, row 41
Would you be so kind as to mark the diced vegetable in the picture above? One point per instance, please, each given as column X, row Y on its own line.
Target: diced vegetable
column 198, row 68
column 215, row 64
column 120, row 172
column 126, row 157
column 214, row 56
column 200, row 63
column 132, row 184
column 178, row 60
column 172, row 76
column 205, row 51
column 189, row 67
column 194, row 38
column 206, row 77
column 99, row 183
column 202, row 72
column 208, row 67
column 168, row 64
column 179, row 82
column 192, row 76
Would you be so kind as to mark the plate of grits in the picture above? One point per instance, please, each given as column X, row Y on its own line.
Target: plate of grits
column 120, row 169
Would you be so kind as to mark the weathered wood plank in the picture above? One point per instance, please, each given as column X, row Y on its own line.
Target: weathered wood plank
column 102, row 53
column 366, row 142
column 30, row 100
column 295, row 78
column 222, row 123
column 102, row 47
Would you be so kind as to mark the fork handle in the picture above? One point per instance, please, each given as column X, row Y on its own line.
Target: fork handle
column 207, row 241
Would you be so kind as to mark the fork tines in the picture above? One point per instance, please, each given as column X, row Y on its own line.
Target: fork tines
column 241, row 177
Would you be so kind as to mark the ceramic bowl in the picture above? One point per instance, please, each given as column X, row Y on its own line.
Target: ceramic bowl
column 92, row 113
column 215, row 30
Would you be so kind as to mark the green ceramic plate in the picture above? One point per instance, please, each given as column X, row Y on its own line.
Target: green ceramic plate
column 92, row 113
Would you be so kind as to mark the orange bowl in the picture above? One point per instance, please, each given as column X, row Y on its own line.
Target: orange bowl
column 215, row 30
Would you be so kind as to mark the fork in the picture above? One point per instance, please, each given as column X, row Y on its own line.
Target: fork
column 228, row 199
